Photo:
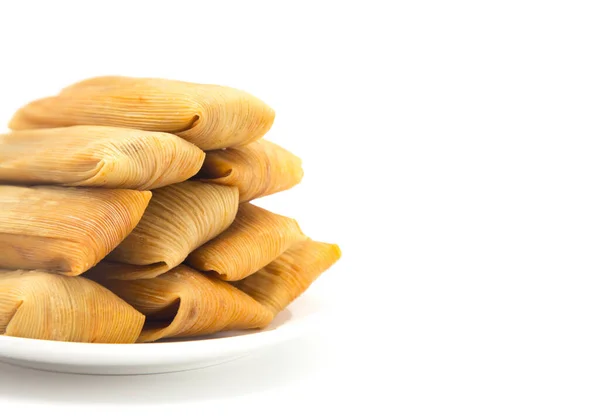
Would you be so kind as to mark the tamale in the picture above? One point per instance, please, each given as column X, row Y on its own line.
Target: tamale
column 289, row 275
column 185, row 303
column 64, row 230
column 209, row 116
column 179, row 219
column 255, row 238
column 35, row 304
column 97, row 156
column 257, row 169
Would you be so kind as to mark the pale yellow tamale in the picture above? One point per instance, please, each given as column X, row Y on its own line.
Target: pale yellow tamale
column 179, row 218
column 209, row 116
column 186, row 303
column 64, row 230
column 35, row 304
column 257, row 169
column 255, row 238
column 284, row 279
column 97, row 156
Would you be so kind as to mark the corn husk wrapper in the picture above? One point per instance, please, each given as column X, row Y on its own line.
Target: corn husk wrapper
column 179, row 218
column 289, row 275
column 64, row 230
column 186, row 303
column 255, row 238
column 257, row 169
column 209, row 116
column 97, row 156
column 35, row 304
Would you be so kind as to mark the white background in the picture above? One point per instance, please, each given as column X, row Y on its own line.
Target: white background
column 450, row 148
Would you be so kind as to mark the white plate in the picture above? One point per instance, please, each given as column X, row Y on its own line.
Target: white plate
column 159, row 357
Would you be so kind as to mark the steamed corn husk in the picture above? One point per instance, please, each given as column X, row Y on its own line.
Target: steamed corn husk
column 186, row 303
column 255, row 238
column 289, row 275
column 209, row 116
column 35, row 304
column 179, row 219
column 97, row 156
column 257, row 169
column 64, row 230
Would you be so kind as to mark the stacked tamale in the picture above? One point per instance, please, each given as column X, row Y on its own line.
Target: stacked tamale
column 126, row 215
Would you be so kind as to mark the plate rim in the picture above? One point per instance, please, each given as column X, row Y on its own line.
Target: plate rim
column 156, row 353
